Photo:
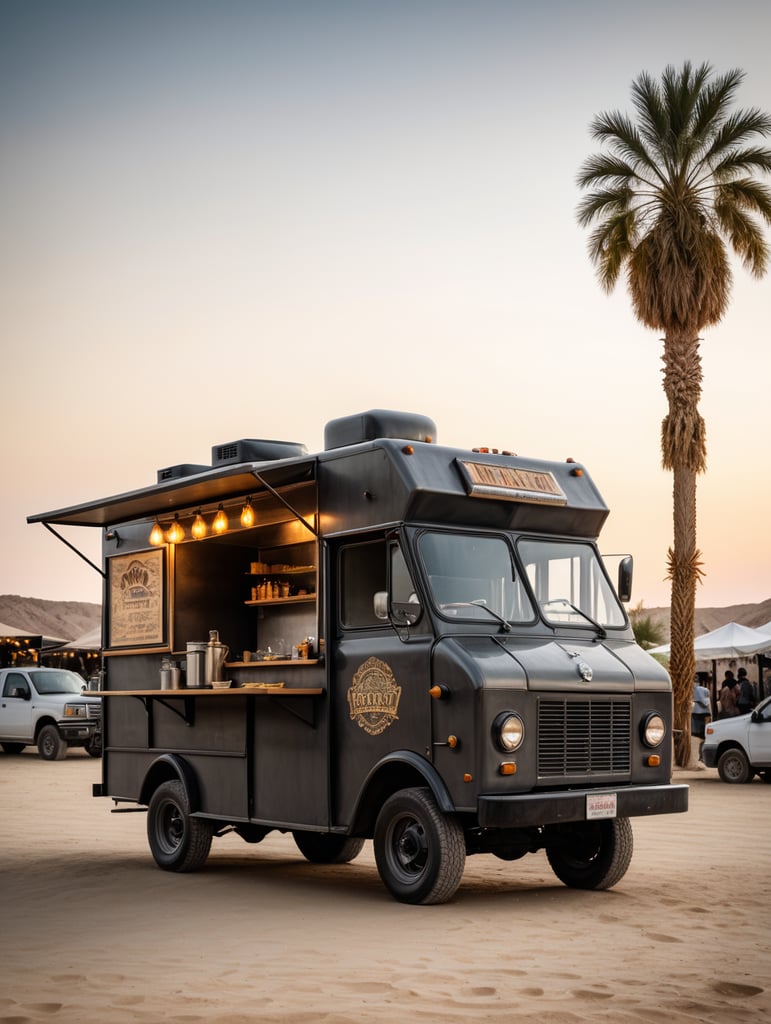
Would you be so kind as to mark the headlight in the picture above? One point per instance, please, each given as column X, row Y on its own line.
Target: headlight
column 653, row 729
column 75, row 711
column 508, row 731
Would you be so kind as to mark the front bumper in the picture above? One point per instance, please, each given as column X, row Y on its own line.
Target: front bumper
column 534, row 809
column 709, row 756
column 72, row 729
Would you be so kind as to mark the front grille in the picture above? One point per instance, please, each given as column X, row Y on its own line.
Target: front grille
column 584, row 737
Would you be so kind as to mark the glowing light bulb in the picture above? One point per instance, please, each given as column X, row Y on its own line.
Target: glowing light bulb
column 247, row 514
column 220, row 523
column 156, row 534
column 198, row 529
column 176, row 533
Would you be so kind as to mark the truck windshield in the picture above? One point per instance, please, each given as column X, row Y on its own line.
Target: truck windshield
column 569, row 584
column 472, row 576
column 57, row 682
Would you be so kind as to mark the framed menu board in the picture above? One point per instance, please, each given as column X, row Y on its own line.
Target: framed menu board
column 136, row 587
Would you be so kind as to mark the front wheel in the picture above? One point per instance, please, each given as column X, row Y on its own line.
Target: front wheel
column 327, row 848
column 94, row 748
column 733, row 766
column 178, row 841
column 420, row 852
column 591, row 854
column 50, row 745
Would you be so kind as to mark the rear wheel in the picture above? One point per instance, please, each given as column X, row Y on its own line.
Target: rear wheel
column 591, row 854
column 13, row 748
column 326, row 848
column 178, row 841
column 94, row 748
column 50, row 745
column 733, row 766
column 420, row 852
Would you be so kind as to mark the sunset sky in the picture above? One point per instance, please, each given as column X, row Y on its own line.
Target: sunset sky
column 243, row 219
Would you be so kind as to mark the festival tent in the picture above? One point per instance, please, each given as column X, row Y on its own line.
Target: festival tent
column 90, row 641
column 16, row 643
column 730, row 641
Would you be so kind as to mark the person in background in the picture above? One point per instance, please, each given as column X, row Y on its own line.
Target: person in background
column 745, row 702
column 727, row 697
column 702, row 711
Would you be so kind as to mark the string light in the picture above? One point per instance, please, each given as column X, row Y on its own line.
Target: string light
column 220, row 523
column 156, row 534
column 198, row 529
column 247, row 514
column 176, row 533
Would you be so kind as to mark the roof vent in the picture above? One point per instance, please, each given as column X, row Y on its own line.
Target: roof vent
column 251, row 450
column 369, row 426
column 184, row 469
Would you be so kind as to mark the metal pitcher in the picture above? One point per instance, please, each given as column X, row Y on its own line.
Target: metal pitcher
column 216, row 653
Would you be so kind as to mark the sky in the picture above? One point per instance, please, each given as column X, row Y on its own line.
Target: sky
column 239, row 219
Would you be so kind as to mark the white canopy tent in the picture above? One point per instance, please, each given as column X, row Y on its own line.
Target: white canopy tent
column 730, row 641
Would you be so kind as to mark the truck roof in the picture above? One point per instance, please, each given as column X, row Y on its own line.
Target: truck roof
column 371, row 482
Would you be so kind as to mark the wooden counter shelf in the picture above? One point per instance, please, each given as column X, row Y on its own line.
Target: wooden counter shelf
column 276, row 663
column 200, row 691
column 182, row 701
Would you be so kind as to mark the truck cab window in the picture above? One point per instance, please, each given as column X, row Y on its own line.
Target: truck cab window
column 468, row 574
column 570, row 584
column 362, row 574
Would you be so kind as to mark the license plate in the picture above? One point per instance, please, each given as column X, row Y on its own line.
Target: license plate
column 600, row 805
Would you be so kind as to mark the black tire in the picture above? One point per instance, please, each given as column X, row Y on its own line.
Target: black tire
column 94, row 749
column 733, row 766
column 13, row 748
column 178, row 841
column 326, row 848
column 420, row 852
column 591, row 854
column 50, row 744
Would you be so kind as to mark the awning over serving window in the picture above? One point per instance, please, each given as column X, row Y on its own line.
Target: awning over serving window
column 184, row 492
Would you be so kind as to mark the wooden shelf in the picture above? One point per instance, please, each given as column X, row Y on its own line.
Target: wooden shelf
column 293, row 599
column 276, row 663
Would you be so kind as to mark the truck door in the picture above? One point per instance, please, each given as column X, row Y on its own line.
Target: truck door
column 16, row 707
column 380, row 671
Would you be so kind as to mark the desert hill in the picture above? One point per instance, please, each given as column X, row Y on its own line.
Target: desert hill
column 64, row 619
column 70, row 619
column 707, row 619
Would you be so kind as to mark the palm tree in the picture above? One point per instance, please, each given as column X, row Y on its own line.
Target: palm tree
column 648, row 632
column 671, row 194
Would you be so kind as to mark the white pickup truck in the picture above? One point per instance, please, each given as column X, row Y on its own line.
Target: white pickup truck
column 47, row 707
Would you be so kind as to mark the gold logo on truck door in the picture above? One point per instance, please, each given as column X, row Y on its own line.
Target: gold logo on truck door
column 373, row 696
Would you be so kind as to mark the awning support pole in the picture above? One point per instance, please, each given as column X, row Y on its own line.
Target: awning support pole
column 73, row 548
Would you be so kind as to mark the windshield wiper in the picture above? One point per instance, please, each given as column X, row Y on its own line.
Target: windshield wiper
column 481, row 603
column 579, row 611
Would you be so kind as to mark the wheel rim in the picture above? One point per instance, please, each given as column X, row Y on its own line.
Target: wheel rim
column 408, row 847
column 733, row 767
column 171, row 827
column 48, row 745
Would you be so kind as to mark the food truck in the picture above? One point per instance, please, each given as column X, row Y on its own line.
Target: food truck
column 389, row 640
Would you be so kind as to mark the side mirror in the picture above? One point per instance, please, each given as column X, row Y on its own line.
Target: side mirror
column 625, row 567
column 380, row 605
column 20, row 693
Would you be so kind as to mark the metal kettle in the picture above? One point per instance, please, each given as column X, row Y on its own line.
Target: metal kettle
column 216, row 653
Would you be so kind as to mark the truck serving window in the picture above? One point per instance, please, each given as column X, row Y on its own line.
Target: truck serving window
column 472, row 576
column 569, row 584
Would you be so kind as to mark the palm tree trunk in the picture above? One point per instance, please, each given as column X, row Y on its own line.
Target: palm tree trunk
column 682, row 560
column 683, row 449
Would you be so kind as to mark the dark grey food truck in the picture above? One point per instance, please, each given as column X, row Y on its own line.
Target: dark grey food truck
column 387, row 640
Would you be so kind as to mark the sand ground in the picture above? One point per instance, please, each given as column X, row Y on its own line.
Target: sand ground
column 92, row 931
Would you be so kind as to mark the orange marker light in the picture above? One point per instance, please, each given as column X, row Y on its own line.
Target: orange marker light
column 653, row 761
column 452, row 741
column 507, row 768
